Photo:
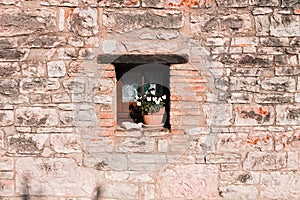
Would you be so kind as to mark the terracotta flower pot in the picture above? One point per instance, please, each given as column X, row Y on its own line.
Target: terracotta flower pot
column 154, row 118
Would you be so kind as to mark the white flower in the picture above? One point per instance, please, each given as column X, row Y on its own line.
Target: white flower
column 154, row 98
column 148, row 98
column 160, row 99
column 138, row 103
column 164, row 97
column 152, row 91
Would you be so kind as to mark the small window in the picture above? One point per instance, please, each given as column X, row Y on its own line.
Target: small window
column 135, row 81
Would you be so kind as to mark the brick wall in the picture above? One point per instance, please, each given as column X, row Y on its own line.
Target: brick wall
column 235, row 106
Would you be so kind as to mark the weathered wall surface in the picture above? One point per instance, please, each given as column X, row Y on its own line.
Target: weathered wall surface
column 235, row 107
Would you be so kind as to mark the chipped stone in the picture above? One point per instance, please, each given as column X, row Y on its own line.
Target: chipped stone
column 56, row 69
column 265, row 161
column 26, row 144
column 66, row 143
column 83, row 21
column 118, row 20
column 36, row 116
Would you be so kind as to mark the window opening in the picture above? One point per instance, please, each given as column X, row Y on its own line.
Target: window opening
column 134, row 81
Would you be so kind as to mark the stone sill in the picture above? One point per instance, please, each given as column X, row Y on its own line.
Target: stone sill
column 147, row 132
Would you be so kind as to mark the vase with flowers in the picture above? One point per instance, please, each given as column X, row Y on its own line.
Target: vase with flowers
column 152, row 106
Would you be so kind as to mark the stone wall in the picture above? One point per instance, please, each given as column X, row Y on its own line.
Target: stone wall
column 235, row 106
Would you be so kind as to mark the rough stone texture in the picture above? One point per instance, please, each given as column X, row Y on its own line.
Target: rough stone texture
column 124, row 20
column 265, row 161
column 234, row 100
column 60, row 176
column 17, row 22
column 26, row 144
column 274, row 185
column 66, row 143
column 188, row 182
column 36, row 116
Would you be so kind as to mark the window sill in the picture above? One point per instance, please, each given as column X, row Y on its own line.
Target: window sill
column 144, row 131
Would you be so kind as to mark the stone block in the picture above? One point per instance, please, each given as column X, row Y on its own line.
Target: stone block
column 6, row 117
column 200, row 182
column 254, row 115
column 146, row 47
column 216, row 41
column 42, row 41
column 289, row 3
column 48, row 176
column 140, row 177
column 248, row 192
column 74, row 85
column 33, row 69
column 125, row 20
column 17, row 22
column 239, row 178
column 7, row 176
column 244, row 41
column 36, row 116
column 56, row 69
column 38, row 85
column 9, row 69
column 83, row 21
column 108, row 161
column 224, row 25
column 121, row 191
column 68, row 3
column 287, row 71
column 60, row 98
column 27, row 143
column 249, row 84
column 149, row 191
column 265, row 161
column 297, row 97
column 274, row 42
column 240, row 97
column 202, row 144
column 293, row 160
column 262, row 10
column 223, row 158
column 231, row 166
column 153, row 3
column 162, row 146
column 288, row 115
column 13, row 54
column 260, row 140
column 6, row 163
column 9, row 87
column 279, row 84
column 7, row 188
column 230, row 142
column 285, row 25
column 66, row 143
column 100, row 145
column 39, row 99
column 218, row 114
column 232, row 3
column 262, row 24
column 264, row 2
column 274, row 98
column 8, row 2
column 280, row 185
column 133, row 144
